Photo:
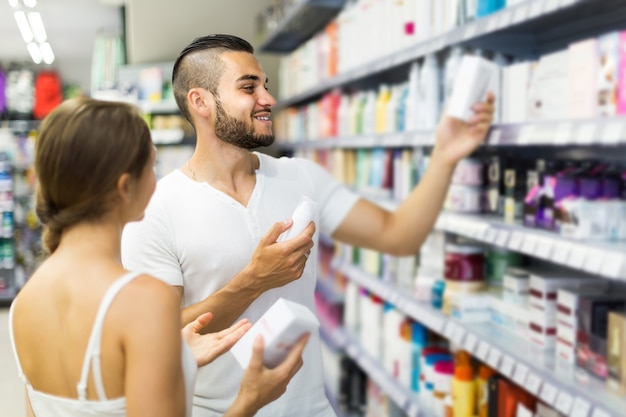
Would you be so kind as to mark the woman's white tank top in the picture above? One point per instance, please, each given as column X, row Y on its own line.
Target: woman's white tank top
column 46, row 405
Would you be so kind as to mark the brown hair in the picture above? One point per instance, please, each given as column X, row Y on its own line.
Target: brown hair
column 199, row 65
column 84, row 146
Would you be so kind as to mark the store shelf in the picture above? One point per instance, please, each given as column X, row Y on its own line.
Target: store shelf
column 529, row 29
column 301, row 22
column 158, row 107
column 607, row 259
column 167, row 136
column 7, row 295
column 395, row 139
column 334, row 337
column 569, row 390
column 334, row 402
column 20, row 126
column 605, row 131
column 404, row 398
column 328, row 291
column 609, row 131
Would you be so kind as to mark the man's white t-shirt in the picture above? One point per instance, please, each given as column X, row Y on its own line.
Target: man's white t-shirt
column 198, row 237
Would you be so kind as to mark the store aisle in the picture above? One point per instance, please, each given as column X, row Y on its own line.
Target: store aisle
column 11, row 388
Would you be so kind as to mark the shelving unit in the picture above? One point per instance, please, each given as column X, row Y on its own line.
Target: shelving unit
column 527, row 30
column 301, row 22
column 405, row 399
column 607, row 259
column 608, row 132
column 571, row 392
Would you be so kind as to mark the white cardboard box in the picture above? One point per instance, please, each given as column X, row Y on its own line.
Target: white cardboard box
column 470, row 86
column 281, row 326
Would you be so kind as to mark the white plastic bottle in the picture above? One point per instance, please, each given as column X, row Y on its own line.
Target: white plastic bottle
column 451, row 69
column 412, row 114
column 302, row 216
column 430, row 91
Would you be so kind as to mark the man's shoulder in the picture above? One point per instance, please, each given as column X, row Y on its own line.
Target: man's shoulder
column 286, row 165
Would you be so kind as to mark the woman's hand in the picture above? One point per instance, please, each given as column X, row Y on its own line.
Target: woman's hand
column 260, row 385
column 207, row 347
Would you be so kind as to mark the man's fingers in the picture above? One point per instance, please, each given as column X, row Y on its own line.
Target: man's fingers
column 256, row 360
column 275, row 231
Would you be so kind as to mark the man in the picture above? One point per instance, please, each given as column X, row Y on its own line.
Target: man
column 204, row 228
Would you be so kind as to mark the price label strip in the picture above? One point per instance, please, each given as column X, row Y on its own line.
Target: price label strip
column 549, row 393
column 521, row 372
column 521, row 13
column 581, row 408
column 564, row 403
column 490, row 235
column 516, row 241
column 544, row 246
column 594, row 261
column 530, row 242
column 577, row 256
column 470, row 343
column 494, row 358
column 483, row 351
column 536, row 8
column 563, row 134
column 561, row 253
column 507, row 365
column 586, row 133
column 458, row 335
column 598, row 412
column 533, row 383
column 551, row 5
column 448, row 331
column 470, row 32
column 505, row 19
column 613, row 263
column 613, row 133
column 502, row 238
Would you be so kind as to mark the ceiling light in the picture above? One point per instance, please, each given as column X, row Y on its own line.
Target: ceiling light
column 46, row 51
column 22, row 24
column 34, row 52
column 13, row 3
column 36, row 24
column 30, row 3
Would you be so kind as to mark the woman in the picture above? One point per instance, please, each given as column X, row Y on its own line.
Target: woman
column 90, row 338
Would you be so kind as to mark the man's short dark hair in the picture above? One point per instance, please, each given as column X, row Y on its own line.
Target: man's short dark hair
column 199, row 65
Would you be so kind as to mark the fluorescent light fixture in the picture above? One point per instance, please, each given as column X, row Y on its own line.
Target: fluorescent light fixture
column 46, row 51
column 36, row 24
column 30, row 3
column 22, row 24
column 34, row 52
column 13, row 3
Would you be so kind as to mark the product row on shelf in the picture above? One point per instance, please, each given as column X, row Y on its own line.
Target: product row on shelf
column 522, row 29
column 20, row 244
column 583, row 83
column 603, row 132
column 557, row 382
column 362, row 98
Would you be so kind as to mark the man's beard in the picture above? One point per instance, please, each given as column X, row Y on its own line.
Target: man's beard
column 237, row 132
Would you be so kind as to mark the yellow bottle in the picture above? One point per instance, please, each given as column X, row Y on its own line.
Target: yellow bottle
column 463, row 391
column 384, row 95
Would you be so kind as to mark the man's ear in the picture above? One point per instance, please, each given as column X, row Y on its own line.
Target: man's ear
column 200, row 101
column 124, row 187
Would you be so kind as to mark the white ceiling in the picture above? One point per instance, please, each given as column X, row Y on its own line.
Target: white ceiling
column 156, row 29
